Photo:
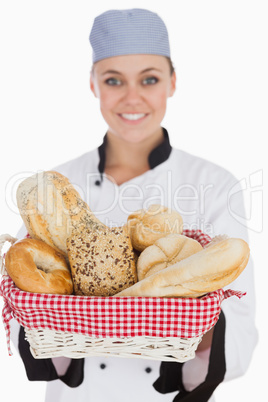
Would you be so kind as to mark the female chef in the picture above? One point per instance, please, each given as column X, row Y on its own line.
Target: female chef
column 132, row 77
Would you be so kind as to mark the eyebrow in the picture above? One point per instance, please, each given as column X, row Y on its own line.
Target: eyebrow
column 142, row 72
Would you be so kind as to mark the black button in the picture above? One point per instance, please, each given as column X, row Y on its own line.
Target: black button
column 148, row 370
column 102, row 366
column 97, row 183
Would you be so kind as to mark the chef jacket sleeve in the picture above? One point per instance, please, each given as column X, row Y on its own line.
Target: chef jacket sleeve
column 235, row 334
column 44, row 369
column 171, row 373
column 224, row 212
column 227, row 215
column 69, row 371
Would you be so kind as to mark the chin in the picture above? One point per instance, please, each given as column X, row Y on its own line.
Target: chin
column 135, row 137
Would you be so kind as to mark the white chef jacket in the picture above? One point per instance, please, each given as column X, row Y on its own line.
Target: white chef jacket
column 208, row 198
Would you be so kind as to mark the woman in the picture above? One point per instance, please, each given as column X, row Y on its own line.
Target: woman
column 133, row 77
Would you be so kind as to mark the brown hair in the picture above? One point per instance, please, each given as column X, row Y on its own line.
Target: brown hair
column 171, row 65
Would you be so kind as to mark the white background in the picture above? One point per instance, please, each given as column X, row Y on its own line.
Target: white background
column 219, row 112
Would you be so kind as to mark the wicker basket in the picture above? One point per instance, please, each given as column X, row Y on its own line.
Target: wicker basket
column 166, row 329
column 78, row 326
column 48, row 343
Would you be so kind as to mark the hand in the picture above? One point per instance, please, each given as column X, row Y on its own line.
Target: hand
column 206, row 341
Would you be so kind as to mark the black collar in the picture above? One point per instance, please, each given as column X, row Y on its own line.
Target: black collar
column 158, row 155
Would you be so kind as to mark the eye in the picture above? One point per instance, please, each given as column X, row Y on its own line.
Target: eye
column 150, row 81
column 113, row 81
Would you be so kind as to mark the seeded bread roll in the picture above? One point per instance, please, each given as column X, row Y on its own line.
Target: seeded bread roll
column 102, row 261
column 146, row 226
column 164, row 252
column 208, row 270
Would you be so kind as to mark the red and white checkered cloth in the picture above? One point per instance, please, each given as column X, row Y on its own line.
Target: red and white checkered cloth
column 113, row 317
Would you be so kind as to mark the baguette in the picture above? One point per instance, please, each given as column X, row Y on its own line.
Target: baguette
column 206, row 271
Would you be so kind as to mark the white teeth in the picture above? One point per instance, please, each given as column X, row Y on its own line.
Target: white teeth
column 133, row 116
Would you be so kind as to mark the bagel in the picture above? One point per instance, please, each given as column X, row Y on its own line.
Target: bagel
column 147, row 226
column 36, row 267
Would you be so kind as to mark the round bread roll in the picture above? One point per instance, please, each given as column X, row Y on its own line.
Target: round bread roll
column 164, row 252
column 50, row 208
column 36, row 267
column 146, row 226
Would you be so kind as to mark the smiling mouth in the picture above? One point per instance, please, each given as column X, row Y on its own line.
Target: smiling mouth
column 132, row 117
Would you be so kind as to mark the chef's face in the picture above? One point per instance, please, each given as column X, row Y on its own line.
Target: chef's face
column 133, row 92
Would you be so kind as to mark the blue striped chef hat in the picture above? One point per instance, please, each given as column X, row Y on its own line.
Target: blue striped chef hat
column 133, row 31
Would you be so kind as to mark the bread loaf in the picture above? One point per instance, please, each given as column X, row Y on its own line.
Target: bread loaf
column 146, row 226
column 208, row 270
column 51, row 207
column 164, row 252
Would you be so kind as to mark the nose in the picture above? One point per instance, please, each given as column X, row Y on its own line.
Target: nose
column 133, row 95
